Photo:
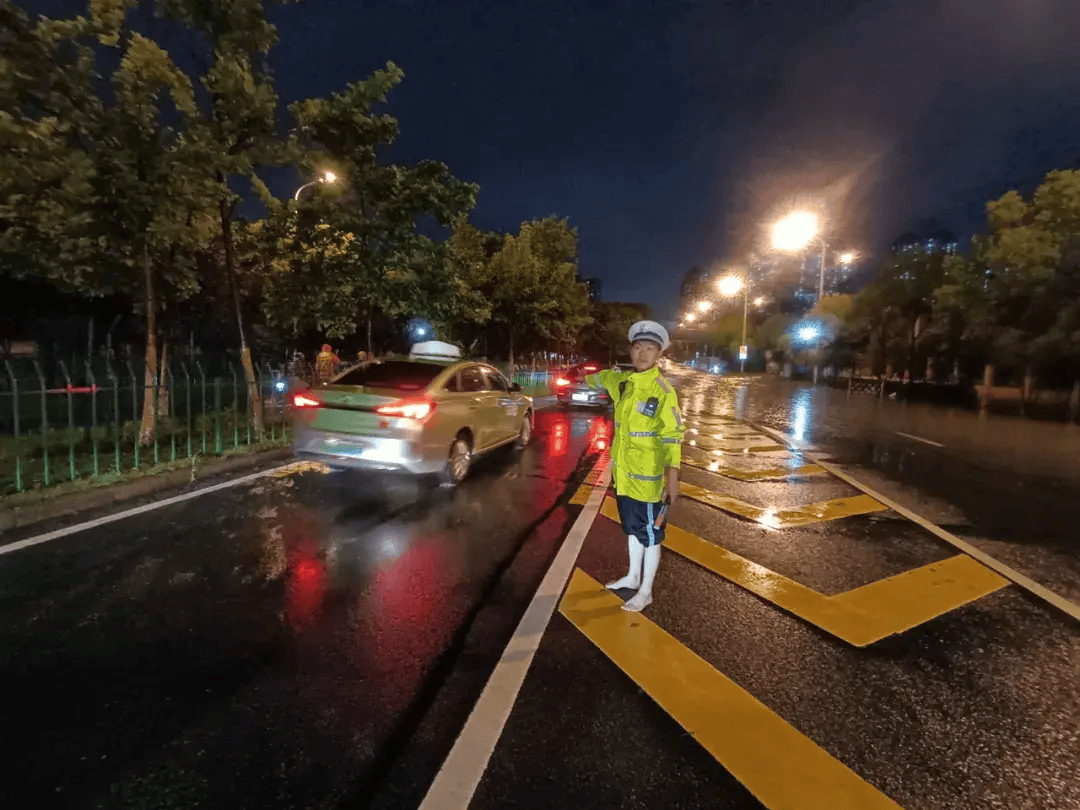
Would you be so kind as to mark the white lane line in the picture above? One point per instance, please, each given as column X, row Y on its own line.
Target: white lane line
column 918, row 438
column 1015, row 576
column 460, row 774
column 138, row 510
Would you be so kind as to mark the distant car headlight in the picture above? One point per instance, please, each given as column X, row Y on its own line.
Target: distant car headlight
column 281, row 385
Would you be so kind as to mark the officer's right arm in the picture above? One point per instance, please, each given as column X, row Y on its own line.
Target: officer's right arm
column 608, row 378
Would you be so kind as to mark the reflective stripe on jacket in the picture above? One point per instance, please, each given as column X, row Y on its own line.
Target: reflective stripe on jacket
column 644, row 445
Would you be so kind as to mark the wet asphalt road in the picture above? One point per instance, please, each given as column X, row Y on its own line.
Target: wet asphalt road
column 976, row 708
column 1006, row 484
column 275, row 644
column 317, row 640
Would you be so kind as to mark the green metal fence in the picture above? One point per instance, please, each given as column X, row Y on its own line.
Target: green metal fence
column 68, row 423
column 536, row 381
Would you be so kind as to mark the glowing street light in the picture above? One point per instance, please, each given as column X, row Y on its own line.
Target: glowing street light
column 690, row 316
column 795, row 231
column 759, row 301
column 327, row 177
column 808, row 334
column 849, row 257
column 729, row 285
column 704, row 306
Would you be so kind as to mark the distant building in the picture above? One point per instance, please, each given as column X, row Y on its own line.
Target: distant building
column 838, row 276
column 939, row 240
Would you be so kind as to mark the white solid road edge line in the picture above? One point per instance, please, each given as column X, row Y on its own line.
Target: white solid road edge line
column 138, row 510
column 464, row 767
column 1015, row 576
column 918, row 438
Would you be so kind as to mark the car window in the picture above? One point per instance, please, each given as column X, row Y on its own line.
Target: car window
column 472, row 379
column 497, row 381
column 453, row 385
column 396, row 375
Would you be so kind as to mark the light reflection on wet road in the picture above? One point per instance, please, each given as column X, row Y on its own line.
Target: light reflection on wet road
column 259, row 646
column 269, row 645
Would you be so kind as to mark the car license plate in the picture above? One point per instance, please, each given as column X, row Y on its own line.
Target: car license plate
column 581, row 397
column 344, row 445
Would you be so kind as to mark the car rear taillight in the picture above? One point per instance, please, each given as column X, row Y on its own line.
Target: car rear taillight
column 305, row 400
column 562, row 381
column 408, row 409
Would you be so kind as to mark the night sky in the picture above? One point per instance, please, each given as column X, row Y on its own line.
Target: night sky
column 667, row 132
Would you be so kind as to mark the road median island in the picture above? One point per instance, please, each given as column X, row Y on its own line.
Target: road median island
column 35, row 506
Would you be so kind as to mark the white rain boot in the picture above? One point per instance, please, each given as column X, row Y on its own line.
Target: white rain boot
column 633, row 579
column 643, row 597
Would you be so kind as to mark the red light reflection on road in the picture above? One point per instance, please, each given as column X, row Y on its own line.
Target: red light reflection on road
column 560, row 437
column 600, row 434
column 305, row 589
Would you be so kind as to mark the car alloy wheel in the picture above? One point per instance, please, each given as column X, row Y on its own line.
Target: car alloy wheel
column 457, row 467
column 526, row 431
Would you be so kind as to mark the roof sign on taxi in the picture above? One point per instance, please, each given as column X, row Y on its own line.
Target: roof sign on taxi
column 433, row 349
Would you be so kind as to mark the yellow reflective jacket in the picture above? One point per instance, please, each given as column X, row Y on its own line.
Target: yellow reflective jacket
column 648, row 431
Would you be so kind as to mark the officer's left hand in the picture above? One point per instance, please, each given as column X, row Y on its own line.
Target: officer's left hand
column 671, row 494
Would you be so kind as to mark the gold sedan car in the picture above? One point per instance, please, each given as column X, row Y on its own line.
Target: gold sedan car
column 421, row 414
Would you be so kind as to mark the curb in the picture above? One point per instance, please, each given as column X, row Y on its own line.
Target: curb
column 13, row 517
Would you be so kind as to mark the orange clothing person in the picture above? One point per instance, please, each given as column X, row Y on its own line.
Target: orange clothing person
column 326, row 363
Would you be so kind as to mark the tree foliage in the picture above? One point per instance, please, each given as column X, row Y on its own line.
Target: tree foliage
column 352, row 249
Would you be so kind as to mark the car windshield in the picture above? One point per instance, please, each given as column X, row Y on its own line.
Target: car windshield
column 395, row 375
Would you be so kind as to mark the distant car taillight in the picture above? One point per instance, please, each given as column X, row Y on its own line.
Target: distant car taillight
column 562, row 382
column 305, row 400
column 419, row 409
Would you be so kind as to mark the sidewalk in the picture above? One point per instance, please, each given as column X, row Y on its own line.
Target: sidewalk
column 786, row 662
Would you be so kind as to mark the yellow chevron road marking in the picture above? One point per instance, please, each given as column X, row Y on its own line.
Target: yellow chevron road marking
column 781, row 766
column 756, row 475
column 782, row 518
column 860, row 616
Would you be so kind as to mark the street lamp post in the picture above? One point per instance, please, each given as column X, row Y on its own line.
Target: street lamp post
column 795, row 232
column 730, row 286
column 327, row 177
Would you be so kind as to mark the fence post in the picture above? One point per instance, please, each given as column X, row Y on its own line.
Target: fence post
column 259, row 394
column 236, row 409
column 187, row 399
column 90, row 378
column 217, row 415
column 155, row 380
column 71, row 420
column 170, row 392
column 15, row 412
column 44, row 423
column 114, row 378
column 202, row 376
column 273, row 403
column 135, row 421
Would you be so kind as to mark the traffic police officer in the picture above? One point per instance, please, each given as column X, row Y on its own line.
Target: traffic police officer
column 646, row 453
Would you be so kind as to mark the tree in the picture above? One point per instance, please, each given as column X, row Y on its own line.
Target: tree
column 236, row 131
column 772, row 331
column 727, row 332
column 610, row 326
column 1018, row 297
column 135, row 203
column 371, row 212
column 535, row 291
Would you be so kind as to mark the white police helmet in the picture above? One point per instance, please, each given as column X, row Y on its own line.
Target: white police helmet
column 650, row 330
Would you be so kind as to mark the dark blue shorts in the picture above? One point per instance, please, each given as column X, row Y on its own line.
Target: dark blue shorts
column 638, row 519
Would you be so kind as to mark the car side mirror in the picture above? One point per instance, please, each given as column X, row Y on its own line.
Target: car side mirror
column 515, row 388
